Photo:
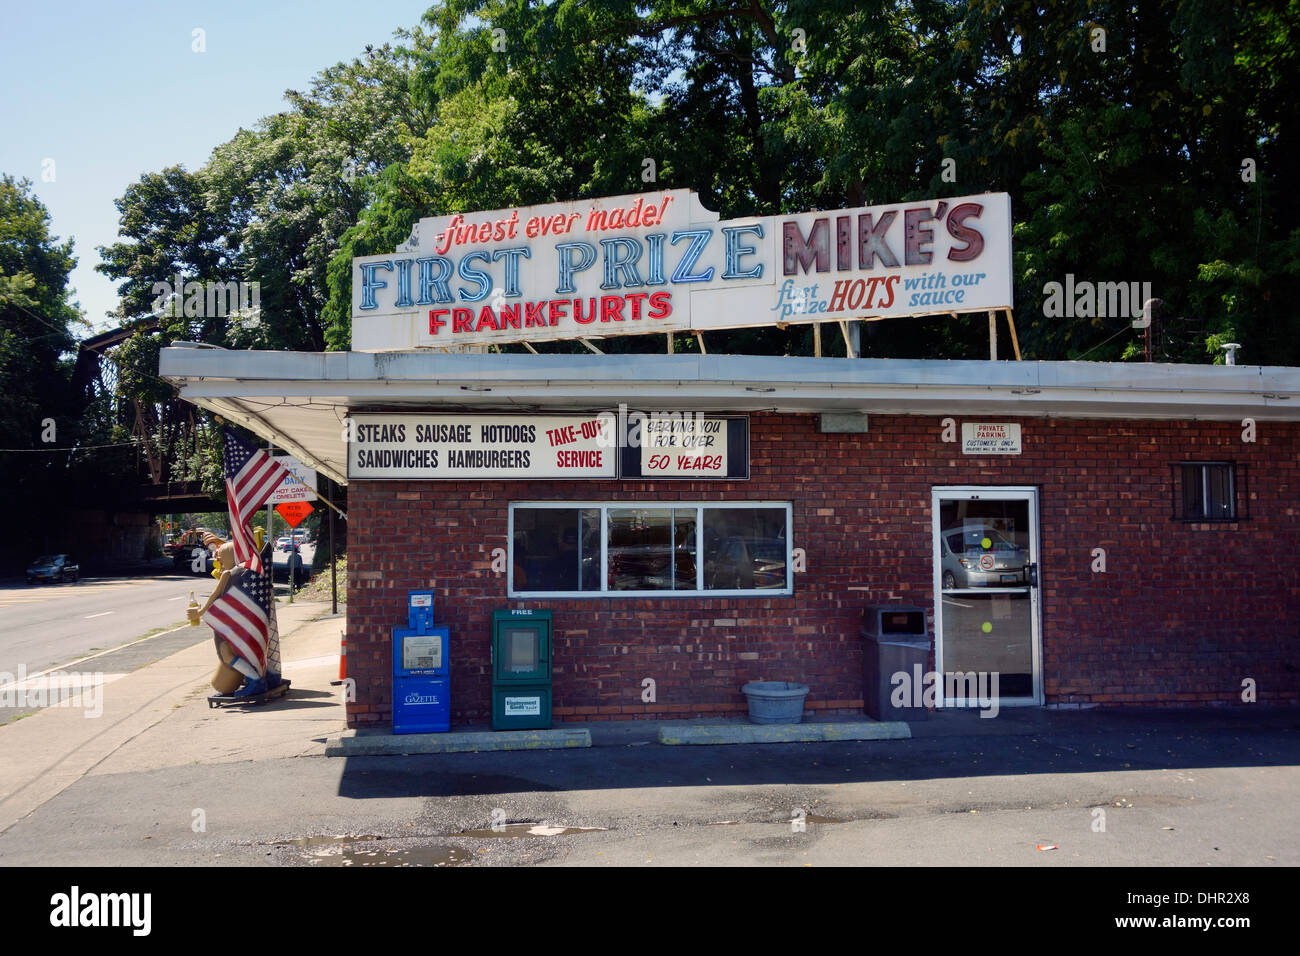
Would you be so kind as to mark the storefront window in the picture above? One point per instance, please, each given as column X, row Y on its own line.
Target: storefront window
column 556, row 549
column 651, row 549
column 623, row 547
column 744, row 548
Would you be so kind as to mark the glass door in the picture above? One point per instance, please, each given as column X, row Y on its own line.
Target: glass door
column 986, row 617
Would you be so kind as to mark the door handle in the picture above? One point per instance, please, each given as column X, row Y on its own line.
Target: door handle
column 1032, row 570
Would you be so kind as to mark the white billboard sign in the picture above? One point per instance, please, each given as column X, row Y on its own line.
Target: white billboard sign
column 661, row 262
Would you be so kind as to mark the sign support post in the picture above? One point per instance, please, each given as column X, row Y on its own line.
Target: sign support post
column 1015, row 342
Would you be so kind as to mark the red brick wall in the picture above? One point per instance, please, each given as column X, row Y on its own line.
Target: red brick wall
column 1183, row 613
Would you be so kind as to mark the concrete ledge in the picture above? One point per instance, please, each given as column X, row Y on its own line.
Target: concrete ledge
column 352, row 744
column 682, row 734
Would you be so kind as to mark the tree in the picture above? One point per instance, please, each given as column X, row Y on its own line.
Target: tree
column 510, row 126
column 291, row 187
column 246, row 240
column 39, row 414
column 1121, row 132
column 36, row 319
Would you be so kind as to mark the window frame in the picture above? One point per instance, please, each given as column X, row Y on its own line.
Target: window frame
column 1238, row 480
column 605, row 505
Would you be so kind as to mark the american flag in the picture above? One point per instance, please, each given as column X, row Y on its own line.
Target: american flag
column 244, row 616
column 251, row 476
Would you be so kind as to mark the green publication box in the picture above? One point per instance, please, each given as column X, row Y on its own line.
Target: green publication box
column 521, row 669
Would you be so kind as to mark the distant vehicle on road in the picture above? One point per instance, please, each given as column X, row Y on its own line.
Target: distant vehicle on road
column 189, row 553
column 53, row 567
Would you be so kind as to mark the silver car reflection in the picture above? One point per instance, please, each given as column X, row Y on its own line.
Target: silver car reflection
column 967, row 563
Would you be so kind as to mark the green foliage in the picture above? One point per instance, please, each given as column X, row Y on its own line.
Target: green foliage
column 1136, row 174
column 1123, row 163
column 320, row 587
column 203, row 462
column 39, row 412
column 36, row 320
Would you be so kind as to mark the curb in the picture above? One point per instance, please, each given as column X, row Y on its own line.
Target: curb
column 380, row 745
column 673, row 735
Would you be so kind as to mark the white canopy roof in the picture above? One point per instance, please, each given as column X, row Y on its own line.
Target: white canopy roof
column 299, row 400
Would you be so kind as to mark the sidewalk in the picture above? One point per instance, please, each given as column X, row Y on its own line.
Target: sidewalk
column 158, row 716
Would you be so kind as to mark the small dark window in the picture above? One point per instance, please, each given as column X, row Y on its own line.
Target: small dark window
column 1208, row 491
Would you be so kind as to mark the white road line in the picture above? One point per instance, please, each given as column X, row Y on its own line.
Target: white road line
column 179, row 597
column 100, row 614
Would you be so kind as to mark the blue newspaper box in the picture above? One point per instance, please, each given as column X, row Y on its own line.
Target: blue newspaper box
column 421, row 671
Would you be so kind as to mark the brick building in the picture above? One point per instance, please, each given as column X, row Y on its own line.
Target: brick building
column 1094, row 534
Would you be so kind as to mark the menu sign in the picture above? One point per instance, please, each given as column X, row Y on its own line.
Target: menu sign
column 481, row 446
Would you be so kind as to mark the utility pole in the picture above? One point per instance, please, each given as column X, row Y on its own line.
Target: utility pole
column 270, row 536
column 334, row 579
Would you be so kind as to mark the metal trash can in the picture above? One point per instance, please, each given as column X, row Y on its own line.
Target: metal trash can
column 896, row 641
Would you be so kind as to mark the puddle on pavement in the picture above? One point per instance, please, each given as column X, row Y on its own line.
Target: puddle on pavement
column 515, row 831
column 364, row 851
column 370, row 855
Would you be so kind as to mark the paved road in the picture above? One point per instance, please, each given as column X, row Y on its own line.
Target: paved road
column 44, row 625
column 50, row 626
column 1192, row 793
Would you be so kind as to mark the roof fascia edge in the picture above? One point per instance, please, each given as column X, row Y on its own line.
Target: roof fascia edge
column 1063, row 397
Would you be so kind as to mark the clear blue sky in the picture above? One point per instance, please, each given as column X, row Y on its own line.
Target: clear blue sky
column 110, row 90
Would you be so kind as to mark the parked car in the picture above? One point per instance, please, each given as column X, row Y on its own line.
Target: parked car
column 53, row 567
column 966, row 563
